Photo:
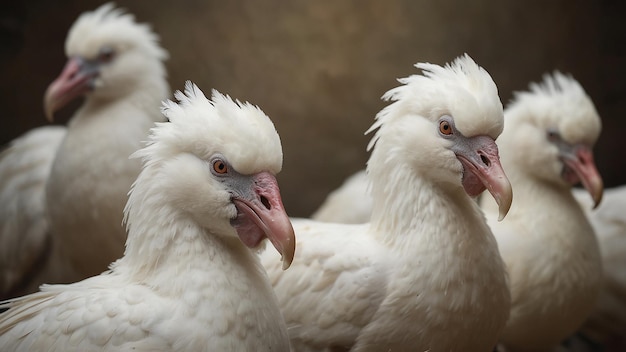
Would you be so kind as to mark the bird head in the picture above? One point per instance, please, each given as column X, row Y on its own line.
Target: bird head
column 444, row 124
column 550, row 132
column 109, row 55
column 215, row 163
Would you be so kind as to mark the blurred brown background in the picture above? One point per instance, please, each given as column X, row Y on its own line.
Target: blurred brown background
column 318, row 68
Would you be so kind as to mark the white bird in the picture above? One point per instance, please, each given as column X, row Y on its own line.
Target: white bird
column 77, row 181
column 607, row 324
column 548, row 245
column 425, row 274
column 187, row 281
column 25, row 243
column 348, row 204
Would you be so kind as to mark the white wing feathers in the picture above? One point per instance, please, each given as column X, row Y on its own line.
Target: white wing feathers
column 24, row 233
column 351, row 278
column 95, row 312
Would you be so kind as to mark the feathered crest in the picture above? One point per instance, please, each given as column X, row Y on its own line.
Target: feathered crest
column 239, row 130
column 106, row 12
column 559, row 101
column 106, row 20
column 553, row 86
column 451, row 89
column 192, row 98
column 191, row 95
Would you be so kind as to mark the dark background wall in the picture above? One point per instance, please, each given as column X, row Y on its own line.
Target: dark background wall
column 318, row 68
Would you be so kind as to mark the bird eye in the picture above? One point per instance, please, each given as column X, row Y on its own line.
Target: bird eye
column 220, row 167
column 106, row 54
column 445, row 128
column 553, row 135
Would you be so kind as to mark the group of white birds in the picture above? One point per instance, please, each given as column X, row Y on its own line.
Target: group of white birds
column 401, row 258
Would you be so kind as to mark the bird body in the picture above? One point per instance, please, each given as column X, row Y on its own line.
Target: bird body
column 117, row 65
column 548, row 245
column 187, row 281
column 93, row 159
column 425, row 273
column 606, row 325
column 555, row 276
column 352, row 195
column 24, row 170
column 399, row 294
column 188, row 313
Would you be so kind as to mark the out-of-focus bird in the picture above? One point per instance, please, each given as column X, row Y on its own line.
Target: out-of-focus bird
column 187, row 281
column 425, row 273
column 548, row 245
column 606, row 326
column 74, row 183
column 348, row 204
column 25, row 242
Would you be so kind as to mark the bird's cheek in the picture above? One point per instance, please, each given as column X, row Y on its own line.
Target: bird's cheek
column 472, row 184
column 248, row 231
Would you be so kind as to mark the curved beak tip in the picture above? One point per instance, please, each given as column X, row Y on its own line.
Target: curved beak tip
column 287, row 256
column 48, row 109
column 504, row 200
column 286, row 246
column 597, row 191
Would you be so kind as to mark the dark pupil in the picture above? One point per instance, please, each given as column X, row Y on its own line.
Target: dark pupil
column 106, row 54
column 445, row 127
column 220, row 166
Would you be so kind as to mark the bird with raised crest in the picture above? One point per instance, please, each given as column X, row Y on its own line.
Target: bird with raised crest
column 546, row 241
column 63, row 189
column 425, row 273
column 190, row 278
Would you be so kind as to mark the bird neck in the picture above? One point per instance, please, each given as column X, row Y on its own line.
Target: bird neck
column 169, row 251
column 528, row 188
column 546, row 202
column 408, row 202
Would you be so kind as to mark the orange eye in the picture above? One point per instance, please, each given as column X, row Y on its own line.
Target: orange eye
column 106, row 54
column 445, row 128
column 220, row 167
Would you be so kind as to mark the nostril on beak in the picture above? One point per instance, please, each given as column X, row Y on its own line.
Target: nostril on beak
column 266, row 203
column 485, row 160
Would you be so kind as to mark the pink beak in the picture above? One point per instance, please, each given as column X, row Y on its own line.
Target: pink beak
column 262, row 215
column 482, row 170
column 580, row 167
column 74, row 81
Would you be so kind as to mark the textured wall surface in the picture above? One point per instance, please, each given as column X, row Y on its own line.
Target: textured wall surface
column 318, row 68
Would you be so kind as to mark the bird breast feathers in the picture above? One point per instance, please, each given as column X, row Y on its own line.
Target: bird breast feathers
column 351, row 274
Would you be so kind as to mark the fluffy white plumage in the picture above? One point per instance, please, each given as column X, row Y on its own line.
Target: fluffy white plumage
column 547, row 243
column 82, row 175
column 186, row 281
column 607, row 324
column 348, row 204
column 425, row 274
column 25, row 242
